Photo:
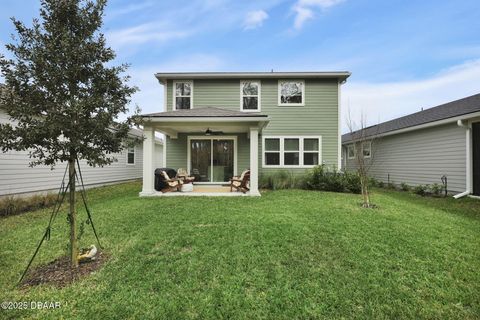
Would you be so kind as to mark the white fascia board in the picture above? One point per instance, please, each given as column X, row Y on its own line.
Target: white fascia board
column 207, row 119
column 162, row 77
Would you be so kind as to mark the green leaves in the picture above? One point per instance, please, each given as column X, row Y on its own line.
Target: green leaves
column 59, row 90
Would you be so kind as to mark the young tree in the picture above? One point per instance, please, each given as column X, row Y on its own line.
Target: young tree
column 363, row 141
column 62, row 93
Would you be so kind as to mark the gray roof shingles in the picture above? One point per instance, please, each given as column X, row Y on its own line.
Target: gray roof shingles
column 204, row 112
column 445, row 111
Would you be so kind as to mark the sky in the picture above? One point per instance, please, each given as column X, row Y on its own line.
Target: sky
column 403, row 55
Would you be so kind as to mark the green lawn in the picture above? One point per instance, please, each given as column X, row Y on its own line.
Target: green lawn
column 287, row 254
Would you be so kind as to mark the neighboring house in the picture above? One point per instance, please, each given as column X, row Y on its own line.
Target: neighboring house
column 218, row 124
column 422, row 147
column 16, row 177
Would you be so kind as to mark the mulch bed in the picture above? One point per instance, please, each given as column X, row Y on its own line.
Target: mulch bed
column 59, row 272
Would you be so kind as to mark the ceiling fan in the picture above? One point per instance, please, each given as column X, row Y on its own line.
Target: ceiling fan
column 209, row 132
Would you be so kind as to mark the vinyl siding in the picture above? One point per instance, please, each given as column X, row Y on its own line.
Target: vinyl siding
column 17, row 177
column 421, row 157
column 318, row 117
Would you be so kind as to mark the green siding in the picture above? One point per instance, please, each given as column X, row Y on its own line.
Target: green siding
column 319, row 116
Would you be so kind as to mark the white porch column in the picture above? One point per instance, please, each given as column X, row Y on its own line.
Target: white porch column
column 148, row 161
column 254, row 161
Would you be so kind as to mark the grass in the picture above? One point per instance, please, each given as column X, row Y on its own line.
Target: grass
column 289, row 254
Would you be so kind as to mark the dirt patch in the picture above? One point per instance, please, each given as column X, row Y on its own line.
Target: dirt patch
column 59, row 272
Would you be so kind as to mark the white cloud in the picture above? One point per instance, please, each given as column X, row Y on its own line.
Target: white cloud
column 385, row 101
column 120, row 11
column 254, row 19
column 304, row 10
column 148, row 32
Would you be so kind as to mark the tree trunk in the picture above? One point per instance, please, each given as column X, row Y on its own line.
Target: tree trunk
column 72, row 215
column 366, row 196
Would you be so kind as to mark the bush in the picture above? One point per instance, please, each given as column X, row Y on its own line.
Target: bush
column 373, row 182
column 11, row 205
column 421, row 190
column 352, row 182
column 404, row 187
column 391, row 185
column 320, row 178
column 280, row 180
column 436, row 189
column 381, row 184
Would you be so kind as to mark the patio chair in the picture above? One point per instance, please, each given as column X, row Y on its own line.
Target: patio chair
column 183, row 175
column 173, row 184
column 240, row 183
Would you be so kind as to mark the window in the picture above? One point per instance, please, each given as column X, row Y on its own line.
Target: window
column 250, row 95
column 351, row 151
column 291, row 93
column 182, row 95
column 131, row 155
column 367, row 149
column 272, row 151
column 291, row 156
column 310, row 152
column 291, row 152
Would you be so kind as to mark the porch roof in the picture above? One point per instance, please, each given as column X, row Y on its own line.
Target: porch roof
column 204, row 112
column 201, row 119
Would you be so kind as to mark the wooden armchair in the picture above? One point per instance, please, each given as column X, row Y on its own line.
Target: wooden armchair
column 173, row 184
column 240, row 183
column 183, row 175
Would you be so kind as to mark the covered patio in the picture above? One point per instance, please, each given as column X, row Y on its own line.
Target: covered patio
column 212, row 144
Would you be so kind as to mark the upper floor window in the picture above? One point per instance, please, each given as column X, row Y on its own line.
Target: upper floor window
column 291, row 93
column 250, row 95
column 182, row 95
column 131, row 155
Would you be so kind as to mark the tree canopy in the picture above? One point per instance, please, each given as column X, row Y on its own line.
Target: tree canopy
column 61, row 88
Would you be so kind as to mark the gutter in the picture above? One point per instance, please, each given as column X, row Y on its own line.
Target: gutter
column 468, row 134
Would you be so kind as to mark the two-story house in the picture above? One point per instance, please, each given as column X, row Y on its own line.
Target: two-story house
column 217, row 124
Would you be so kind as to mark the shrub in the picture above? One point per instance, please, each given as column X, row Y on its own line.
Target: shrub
column 436, row 189
column 391, row 185
column 404, row 187
column 381, row 184
column 373, row 182
column 280, row 180
column 11, row 205
column 352, row 182
column 421, row 190
column 320, row 178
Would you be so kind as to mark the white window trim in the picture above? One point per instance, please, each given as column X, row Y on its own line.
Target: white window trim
column 301, row 151
column 348, row 151
column 259, row 107
column 211, row 138
column 369, row 143
column 134, row 156
column 174, row 100
column 280, row 104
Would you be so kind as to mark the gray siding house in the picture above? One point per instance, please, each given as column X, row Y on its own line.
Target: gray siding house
column 16, row 177
column 217, row 124
column 422, row 147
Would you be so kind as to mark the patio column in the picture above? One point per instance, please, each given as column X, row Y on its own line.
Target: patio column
column 254, row 161
column 148, row 161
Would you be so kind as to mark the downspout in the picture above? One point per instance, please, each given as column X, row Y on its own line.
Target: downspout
column 464, row 124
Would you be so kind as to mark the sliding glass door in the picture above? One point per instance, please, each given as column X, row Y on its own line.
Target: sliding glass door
column 212, row 159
